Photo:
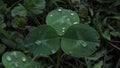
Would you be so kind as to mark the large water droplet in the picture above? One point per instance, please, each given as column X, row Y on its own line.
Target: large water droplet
column 38, row 42
column 16, row 65
column 72, row 13
column 75, row 23
column 23, row 59
column 8, row 58
column 60, row 9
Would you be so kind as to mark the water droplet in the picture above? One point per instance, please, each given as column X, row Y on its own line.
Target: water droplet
column 23, row 59
column 75, row 23
column 16, row 65
column 63, row 28
column 72, row 13
column 53, row 51
column 59, row 9
column 8, row 58
column 14, row 54
column 38, row 42
column 51, row 15
column 84, row 44
column 70, row 52
column 68, row 19
column 36, row 67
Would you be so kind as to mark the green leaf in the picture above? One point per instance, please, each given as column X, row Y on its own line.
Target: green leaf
column 2, row 48
column 19, row 22
column 1, row 66
column 17, row 59
column 19, row 11
column 35, row 6
column 3, row 7
column 80, row 40
column 42, row 41
column 60, row 19
column 117, row 3
column 98, row 65
column 96, row 55
column 105, row 1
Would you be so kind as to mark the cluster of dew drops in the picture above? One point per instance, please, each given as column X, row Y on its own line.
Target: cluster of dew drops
column 72, row 14
column 8, row 58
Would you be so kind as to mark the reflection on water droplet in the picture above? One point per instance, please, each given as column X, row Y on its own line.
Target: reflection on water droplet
column 63, row 30
column 8, row 58
column 38, row 42
column 16, row 65
column 72, row 14
column 51, row 15
column 14, row 54
column 75, row 23
column 59, row 9
column 23, row 59
column 53, row 51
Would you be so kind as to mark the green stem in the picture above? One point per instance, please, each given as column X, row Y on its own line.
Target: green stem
column 58, row 59
column 87, row 63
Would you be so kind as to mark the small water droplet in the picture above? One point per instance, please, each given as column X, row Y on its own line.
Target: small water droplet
column 70, row 52
column 63, row 30
column 51, row 15
column 8, row 58
column 23, row 59
column 53, row 51
column 60, row 9
column 36, row 67
column 68, row 19
column 75, row 23
column 16, row 65
column 72, row 13
column 38, row 42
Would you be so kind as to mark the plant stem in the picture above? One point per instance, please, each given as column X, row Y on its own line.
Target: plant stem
column 58, row 59
column 87, row 63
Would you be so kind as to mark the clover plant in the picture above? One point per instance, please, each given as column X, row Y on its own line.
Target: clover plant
column 17, row 59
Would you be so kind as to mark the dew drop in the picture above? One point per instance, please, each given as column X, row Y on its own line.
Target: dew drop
column 38, row 42
column 72, row 14
column 63, row 28
column 53, row 51
column 68, row 19
column 8, row 58
column 75, row 23
column 84, row 44
column 59, row 10
column 16, row 65
column 70, row 52
column 36, row 67
column 51, row 15
column 23, row 59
